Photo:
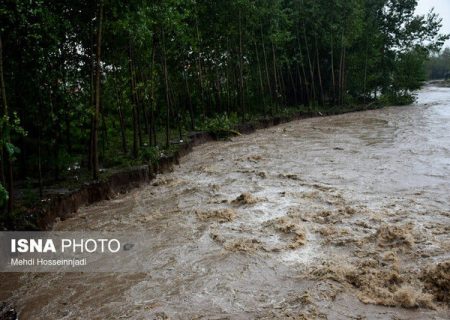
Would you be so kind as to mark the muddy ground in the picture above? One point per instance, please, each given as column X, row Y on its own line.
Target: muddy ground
column 343, row 217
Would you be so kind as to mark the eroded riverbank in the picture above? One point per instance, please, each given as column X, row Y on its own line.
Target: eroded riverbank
column 337, row 217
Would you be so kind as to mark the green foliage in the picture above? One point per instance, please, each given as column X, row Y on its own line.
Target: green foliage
column 222, row 125
column 395, row 99
column 150, row 154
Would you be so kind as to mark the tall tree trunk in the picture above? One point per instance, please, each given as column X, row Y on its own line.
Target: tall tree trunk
column 341, row 66
column 189, row 99
column 344, row 75
column 152, row 133
column 365, row 70
column 293, row 84
column 228, row 82
column 333, row 76
column 302, row 64
column 218, row 90
column 275, row 77
column 133, row 103
column 311, row 71
column 266, row 65
column 90, row 163
column 9, row 180
column 95, row 169
column 282, row 85
column 166, row 82
column 41, row 187
column 141, row 98
column 134, row 94
column 303, row 92
column 4, row 109
column 322, row 96
column 121, row 115
column 241, row 68
column 200, row 73
column 260, row 77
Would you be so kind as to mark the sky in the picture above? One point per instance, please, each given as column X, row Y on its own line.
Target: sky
column 442, row 7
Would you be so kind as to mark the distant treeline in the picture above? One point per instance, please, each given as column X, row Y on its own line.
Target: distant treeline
column 88, row 84
column 438, row 67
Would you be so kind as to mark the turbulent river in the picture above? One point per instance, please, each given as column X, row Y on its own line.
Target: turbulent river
column 342, row 217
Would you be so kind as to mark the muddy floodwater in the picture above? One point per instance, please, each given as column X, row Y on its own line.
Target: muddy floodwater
column 343, row 217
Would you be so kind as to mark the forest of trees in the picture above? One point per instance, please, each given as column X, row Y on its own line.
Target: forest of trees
column 93, row 84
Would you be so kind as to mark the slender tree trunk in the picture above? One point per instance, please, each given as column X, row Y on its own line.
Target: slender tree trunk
column 282, row 85
column 311, row 71
column 218, row 90
column 300, row 84
column 344, row 75
column 302, row 64
column 9, row 180
column 152, row 134
column 365, row 71
column 341, row 66
column 275, row 77
column 260, row 77
column 166, row 82
column 121, row 115
column 322, row 96
column 333, row 76
column 241, row 67
column 266, row 65
column 294, row 86
column 134, row 93
column 133, row 103
column 41, row 187
column 228, row 81
column 4, row 111
column 141, row 99
column 92, row 104
column 190, row 107
column 200, row 73
column 97, row 90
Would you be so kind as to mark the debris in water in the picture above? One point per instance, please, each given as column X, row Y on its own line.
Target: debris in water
column 254, row 158
column 289, row 225
column 262, row 174
column 217, row 237
column 437, row 281
column 289, row 176
column 395, row 236
column 390, row 256
column 243, row 244
column 409, row 297
column 220, row 215
column 327, row 231
column 347, row 210
column 245, row 198
column 214, row 187
column 378, row 284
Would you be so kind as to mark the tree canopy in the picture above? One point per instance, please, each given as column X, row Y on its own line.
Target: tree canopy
column 88, row 85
